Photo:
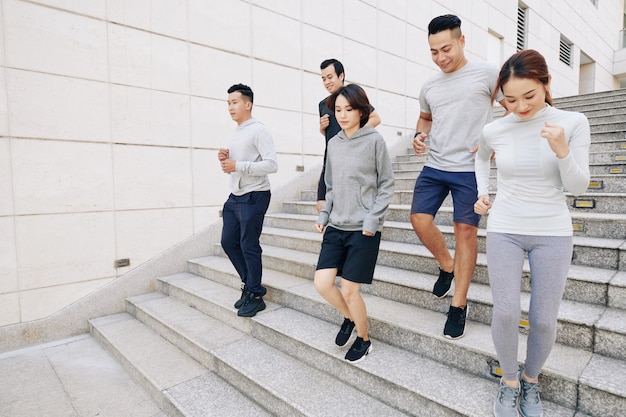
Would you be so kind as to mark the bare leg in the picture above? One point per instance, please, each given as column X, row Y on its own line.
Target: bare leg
column 352, row 296
column 433, row 239
column 324, row 282
column 464, row 261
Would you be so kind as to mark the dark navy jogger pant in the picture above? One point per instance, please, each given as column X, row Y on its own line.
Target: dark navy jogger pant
column 243, row 221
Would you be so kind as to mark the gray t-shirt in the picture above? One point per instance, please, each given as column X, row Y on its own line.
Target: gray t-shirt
column 460, row 105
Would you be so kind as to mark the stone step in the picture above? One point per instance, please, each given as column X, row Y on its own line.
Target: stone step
column 584, row 102
column 593, row 252
column 329, row 357
column 414, row 329
column 282, row 384
column 598, row 183
column 585, row 223
column 603, row 127
column 615, row 109
column 412, row 169
column 577, row 319
column 596, row 201
column 154, row 363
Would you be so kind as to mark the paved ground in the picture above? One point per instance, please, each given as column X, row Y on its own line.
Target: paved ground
column 70, row 378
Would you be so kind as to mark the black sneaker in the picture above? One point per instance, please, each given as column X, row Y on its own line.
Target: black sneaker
column 442, row 286
column 251, row 306
column 345, row 332
column 359, row 350
column 244, row 296
column 455, row 325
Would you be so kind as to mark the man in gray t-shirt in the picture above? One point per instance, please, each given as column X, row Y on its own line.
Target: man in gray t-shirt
column 455, row 104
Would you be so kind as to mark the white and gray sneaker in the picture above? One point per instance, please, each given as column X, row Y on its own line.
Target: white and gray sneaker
column 506, row 401
column 529, row 402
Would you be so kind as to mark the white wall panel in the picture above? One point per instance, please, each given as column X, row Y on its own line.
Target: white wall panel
column 319, row 46
column 130, row 56
column 64, row 248
column 135, row 13
column 211, row 124
column 61, row 177
column 169, row 17
column 222, row 24
column 213, row 71
column 324, row 14
column 170, row 64
column 6, row 178
column 275, row 37
column 151, row 117
column 95, row 8
column 69, row 44
column 142, row 234
column 360, row 63
column 8, row 257
column 151, row 177
column 9, row 308
column 50, row 106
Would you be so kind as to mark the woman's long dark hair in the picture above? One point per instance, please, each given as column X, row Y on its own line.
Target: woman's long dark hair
column 527, row 63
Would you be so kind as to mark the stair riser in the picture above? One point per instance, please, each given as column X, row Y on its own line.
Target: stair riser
column 607, row 183
column 129, row 367
column 205, row 358
column 579, row 335
column 607, row 258
column 595, row 402
column 564, row 392
column 275, row 405
column 218, row 312
column 380, row 388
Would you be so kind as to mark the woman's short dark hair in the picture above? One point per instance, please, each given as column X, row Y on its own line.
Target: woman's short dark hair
column 356, row 98
column 527, row 63
column 244, row 90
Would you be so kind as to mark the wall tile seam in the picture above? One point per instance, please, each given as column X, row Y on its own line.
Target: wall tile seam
column 108, row 211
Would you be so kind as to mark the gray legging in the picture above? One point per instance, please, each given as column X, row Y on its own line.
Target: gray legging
column 549, row 258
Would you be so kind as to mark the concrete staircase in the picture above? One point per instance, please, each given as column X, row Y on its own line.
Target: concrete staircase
column 187, row 347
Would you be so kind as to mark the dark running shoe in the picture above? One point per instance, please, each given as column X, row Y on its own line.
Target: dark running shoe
column 359, row 350
column 244, row 296
column 345, row 332
column 442, row 286
column 251, row 306
column 455, row 325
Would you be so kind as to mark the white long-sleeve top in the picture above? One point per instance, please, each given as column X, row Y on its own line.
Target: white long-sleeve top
column 530, row 199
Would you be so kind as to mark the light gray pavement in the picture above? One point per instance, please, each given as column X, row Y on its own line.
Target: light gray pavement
column 69, row 378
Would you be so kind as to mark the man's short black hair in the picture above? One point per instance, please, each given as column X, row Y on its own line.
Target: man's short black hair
column 445, row 22
column 244, row 90
column 335, row 63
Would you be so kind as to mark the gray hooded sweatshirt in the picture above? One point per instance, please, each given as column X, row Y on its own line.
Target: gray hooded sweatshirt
column 359, row 182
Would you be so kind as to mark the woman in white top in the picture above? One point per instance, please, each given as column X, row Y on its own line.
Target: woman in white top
column 541, row 153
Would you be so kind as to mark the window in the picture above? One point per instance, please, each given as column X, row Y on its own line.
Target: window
column 522, row 15
column 565, row 51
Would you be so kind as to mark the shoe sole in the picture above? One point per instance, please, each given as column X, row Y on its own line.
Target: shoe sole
column 447, row 336
column 446, row 293
column 496, row 414
column 367, row 352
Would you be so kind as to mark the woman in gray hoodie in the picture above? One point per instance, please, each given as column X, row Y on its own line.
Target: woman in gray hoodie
column 359, row 186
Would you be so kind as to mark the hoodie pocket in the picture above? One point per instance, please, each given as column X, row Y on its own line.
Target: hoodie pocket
column 348, row 207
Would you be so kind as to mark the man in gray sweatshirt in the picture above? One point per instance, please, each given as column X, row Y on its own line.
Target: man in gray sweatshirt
column 249, row 158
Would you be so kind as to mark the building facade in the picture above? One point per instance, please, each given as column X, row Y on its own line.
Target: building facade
column 112, row 111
